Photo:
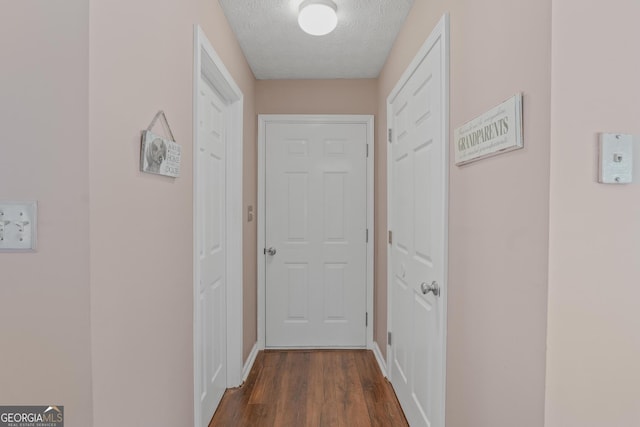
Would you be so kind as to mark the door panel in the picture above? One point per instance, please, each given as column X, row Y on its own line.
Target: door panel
column 210, row 217
column 297, row 206
column 417, row 206
column 315, row 220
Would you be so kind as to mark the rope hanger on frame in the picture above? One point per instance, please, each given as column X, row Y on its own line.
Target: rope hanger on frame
column 160, row 114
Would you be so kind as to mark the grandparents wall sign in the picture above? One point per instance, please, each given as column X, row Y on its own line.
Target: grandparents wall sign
column 497, row 131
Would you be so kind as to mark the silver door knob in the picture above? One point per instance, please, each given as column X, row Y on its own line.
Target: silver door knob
column 433, row 287
column 271, row 251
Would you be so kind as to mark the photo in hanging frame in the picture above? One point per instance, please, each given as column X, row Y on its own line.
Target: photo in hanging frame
column 159, row 155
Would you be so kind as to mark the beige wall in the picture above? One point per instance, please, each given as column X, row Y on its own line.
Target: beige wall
column 498, row 210
column 347, row 96
column 44, row 296
column 141, row 225
column 593, row 341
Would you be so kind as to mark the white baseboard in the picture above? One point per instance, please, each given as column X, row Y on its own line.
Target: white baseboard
column 380, row 359
column 249, row 364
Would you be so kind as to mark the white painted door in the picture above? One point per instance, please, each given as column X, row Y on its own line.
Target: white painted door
column 417, row 206
column 211, row 249
column 315, row 222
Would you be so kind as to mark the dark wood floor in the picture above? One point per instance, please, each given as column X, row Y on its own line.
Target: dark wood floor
column 312, row 388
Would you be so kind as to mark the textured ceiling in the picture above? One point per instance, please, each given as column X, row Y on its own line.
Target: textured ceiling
column 276, row 48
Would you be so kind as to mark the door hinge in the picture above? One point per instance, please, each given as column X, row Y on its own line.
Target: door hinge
column 366, row 319
column 367, row 239
column 390, row 135
column 389, row 338
column 390, row 237
column 367, row 150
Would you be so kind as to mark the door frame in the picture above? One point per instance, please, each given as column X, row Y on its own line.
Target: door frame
column 208, row 64
column 440, row 32
column 263, row 120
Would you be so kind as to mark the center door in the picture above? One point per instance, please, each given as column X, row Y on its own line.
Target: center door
column 315, row 234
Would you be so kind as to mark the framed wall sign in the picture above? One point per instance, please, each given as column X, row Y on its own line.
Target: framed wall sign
column 497, row 131
column 159, row 155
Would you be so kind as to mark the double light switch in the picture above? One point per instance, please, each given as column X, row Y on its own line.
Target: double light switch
column 18, row 226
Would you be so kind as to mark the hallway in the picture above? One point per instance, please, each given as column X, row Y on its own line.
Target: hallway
column 100, row 318
column 312, row 388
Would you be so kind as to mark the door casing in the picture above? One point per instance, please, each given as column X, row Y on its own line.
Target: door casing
column 263, row 119
column 440, row 32
column 208, row 64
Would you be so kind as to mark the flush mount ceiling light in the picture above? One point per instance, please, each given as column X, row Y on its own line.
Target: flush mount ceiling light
column 318, row 17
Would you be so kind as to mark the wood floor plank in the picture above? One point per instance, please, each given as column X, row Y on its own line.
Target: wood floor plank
column 383, row 407
column 315, row 390
column 268, row 379
column 334, row 380
column 320, row 388
column 292, row 402
column 355, row 405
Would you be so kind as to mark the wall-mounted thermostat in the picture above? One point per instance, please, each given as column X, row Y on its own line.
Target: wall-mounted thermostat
column 616, row 158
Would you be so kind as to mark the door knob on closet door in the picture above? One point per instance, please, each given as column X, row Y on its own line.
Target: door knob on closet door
column 433, row 287
column 271, row 251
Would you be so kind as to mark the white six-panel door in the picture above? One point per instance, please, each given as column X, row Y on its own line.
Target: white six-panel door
column 211, row 250
column 417, row 213
column 315, row 222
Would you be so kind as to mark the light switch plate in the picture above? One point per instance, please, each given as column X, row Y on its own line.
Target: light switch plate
column 616, row 158
column 18, row 226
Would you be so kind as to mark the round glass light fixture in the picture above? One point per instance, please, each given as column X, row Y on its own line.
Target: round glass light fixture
column 318, row 17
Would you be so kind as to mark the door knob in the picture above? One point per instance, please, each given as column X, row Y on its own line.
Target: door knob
column 433, row 287
column 271, row 251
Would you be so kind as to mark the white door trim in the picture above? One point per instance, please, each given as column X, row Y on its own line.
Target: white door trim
column 440, row 32
column 263, row 119
column 208, row 64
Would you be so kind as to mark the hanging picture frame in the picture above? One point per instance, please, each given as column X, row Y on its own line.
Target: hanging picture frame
column 159, row 155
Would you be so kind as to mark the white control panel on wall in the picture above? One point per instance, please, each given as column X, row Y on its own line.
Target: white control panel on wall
column 18, row 222
column 616, row 158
